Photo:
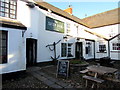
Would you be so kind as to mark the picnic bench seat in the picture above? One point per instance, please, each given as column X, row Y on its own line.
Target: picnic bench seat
column 97, row 80
column 84, row 71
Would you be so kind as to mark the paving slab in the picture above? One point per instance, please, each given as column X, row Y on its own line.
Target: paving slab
column 48, row 82
column 68, row 86
column 52, row 79
column 55, row 86
column 41, row 73
column 31, row 69
column 62, row 84
column 38, row 76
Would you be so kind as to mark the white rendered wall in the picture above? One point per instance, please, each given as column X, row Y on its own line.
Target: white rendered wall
column 16, row 52
column 106, row 31
column 35, row 20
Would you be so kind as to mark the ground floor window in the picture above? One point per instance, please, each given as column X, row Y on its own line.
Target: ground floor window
column 102, row 48
column 116, row 46
column 63, row 49
column 3, row 47
column 66, row 50
column 88, row 48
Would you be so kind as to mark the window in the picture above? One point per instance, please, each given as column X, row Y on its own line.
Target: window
column 102, row 48
column 3, row 47
column 69, row 50
column 66, row 50
column 88, row 48
column 67, row 28
column 116, row 46
column 8, row 8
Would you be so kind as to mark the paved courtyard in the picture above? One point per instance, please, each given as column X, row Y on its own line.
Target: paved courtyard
column 45, row 77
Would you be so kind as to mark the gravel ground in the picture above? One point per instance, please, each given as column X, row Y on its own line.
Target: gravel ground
column 23, row 80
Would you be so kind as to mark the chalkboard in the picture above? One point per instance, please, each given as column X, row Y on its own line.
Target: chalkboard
column 63, row 68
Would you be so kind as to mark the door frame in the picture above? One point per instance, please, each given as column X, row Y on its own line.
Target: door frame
column 30, row 42
column 79, row 55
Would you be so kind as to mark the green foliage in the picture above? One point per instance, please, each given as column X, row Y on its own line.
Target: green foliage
column 77, row 62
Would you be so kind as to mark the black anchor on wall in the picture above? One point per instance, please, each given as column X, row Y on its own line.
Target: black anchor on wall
column 54, row 49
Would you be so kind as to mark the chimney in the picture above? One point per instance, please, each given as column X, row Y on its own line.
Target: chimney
column 69, row 9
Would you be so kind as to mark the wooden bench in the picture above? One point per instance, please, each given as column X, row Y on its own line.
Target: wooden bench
column 97, row 80
column 112, row 62
column 84, row 71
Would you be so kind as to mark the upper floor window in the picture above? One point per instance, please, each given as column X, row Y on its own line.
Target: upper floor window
column 8, row 8
column 67, row 28
column 3, row 46
column 116, row 46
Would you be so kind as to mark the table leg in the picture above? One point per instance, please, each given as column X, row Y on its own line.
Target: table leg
column 86, row 83
column 93, row 83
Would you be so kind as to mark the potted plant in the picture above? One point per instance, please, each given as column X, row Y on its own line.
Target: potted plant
column 77, row 65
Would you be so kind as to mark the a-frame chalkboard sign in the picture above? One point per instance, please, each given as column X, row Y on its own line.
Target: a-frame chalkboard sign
column 63, row 68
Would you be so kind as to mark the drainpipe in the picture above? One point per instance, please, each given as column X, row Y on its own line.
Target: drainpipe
column 94, row 50
column 108, row 48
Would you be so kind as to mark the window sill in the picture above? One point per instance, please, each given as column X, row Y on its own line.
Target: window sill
column 117, row 51
column 101, row 52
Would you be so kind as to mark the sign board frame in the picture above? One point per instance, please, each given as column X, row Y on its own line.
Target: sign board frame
column 63, row 68
column 54, row 25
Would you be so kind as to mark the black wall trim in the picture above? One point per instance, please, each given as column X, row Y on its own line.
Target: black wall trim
column 13, row 26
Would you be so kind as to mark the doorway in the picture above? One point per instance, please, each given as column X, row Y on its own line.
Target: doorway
column 79, row 50
column 31, row 51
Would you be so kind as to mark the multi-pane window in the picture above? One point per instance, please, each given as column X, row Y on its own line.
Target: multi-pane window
column 66, row 50
column 88, row 48
column 102, row 48
column 8, row 8
column 67, row 28
column 69, row 50
column 3, row 47
column 116, row 46
column 63, row 49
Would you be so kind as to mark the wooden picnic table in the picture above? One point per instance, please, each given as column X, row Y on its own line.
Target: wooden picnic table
column 101, row 69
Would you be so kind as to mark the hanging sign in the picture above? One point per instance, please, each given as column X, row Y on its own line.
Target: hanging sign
column 54, row 25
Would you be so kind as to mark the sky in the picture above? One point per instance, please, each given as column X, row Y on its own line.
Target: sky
column 84, row 9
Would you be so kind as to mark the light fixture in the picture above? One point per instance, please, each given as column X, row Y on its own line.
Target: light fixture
column 65, row 38
column 77, row 39
column 30, row 4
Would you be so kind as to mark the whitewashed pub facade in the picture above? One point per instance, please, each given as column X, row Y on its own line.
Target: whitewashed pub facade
column 30, row 29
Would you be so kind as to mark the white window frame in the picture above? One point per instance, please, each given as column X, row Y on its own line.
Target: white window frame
column 116, row 46
column 101, row 46
column 67, row 50
column 68, row 28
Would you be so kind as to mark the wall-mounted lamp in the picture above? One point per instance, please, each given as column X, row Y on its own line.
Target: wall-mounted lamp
column 77, row 39
column 30, row 4
column 65, row 38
